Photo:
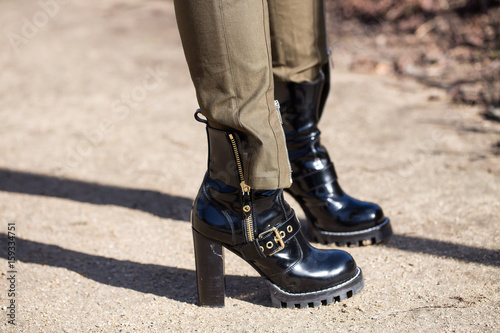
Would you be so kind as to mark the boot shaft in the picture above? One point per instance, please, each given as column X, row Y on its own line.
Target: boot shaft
column 300, row 106
column 241, row 212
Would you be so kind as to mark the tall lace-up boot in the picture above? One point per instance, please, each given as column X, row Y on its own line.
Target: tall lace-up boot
column 262, row 229
column 332, row 215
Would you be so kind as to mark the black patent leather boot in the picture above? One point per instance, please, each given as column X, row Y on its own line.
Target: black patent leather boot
column 262, row 229
column 332, row 215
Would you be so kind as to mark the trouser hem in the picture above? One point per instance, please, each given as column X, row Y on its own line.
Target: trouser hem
column 269, row 183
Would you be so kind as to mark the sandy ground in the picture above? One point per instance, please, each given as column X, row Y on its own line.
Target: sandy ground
column 100, row 159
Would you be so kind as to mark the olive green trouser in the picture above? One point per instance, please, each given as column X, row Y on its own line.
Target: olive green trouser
column 233, row 49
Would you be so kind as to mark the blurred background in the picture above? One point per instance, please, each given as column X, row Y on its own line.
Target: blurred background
column 450, row 44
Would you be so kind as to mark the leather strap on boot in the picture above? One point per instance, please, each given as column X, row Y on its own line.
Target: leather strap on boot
column 271, row 241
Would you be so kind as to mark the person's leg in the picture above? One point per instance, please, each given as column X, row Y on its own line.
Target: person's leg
column 227, row 48
column 298, row 39
column 240, row 205
column 301, row 72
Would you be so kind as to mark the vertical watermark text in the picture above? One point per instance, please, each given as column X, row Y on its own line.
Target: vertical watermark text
column 11, row 273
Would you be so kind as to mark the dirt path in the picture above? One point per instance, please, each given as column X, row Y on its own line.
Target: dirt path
column 100, row 159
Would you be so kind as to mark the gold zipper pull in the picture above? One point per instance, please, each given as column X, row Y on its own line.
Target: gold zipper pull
column 245, row 189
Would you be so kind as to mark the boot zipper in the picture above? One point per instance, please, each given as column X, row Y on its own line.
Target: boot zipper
column 245, row 190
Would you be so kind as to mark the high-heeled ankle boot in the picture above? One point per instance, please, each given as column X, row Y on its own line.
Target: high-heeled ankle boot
column 333, row 216
column 262, row 229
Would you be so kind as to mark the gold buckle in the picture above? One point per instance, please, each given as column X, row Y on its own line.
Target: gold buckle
column 278, row 239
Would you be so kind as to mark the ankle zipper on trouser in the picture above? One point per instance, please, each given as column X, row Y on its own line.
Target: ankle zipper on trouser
column 245, row 190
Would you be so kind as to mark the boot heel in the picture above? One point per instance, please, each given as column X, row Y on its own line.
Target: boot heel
column 209, row 260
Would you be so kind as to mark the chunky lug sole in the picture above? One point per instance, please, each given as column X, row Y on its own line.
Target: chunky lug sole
column 374, row 235
column 283, row 299
column 209, row 259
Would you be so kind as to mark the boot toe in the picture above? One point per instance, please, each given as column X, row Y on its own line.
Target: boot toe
column 318, row 270
column 366, row 214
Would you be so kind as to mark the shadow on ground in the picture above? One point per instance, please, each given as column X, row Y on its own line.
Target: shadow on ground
column 445, row 249
column 175, row 283
column 153, row 202
column 180, row 284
